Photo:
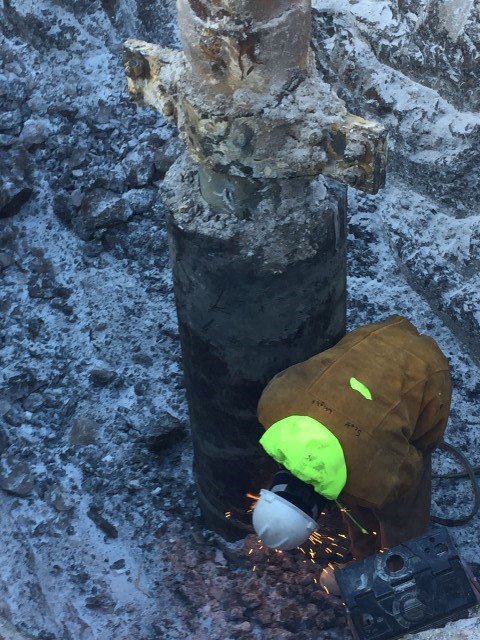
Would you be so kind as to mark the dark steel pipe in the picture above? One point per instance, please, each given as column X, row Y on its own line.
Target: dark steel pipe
column 255, row 293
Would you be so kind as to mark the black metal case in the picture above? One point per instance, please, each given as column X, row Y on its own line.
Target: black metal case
column 417, row 585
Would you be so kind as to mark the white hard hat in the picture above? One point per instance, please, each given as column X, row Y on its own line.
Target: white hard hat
column 279, row 523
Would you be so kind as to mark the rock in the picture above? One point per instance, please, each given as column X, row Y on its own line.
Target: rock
column 10, row 631
column 5, row 406
column 166, row 155
column 100, row 601
column 77, row 197
column 325, row 619
column 40, row 286
column 236, row 613
column 37, row 104
column 78, row 155
column 8, row 234
column 264, row 615
column 6, row 259
column 289, row 617
column 102, row 377
column 15, row 181
column 7, row 140
column 61, row 305
column 99, row 209
column 38, row 252
column 58, row 499
column 243, row 627
column 62, row 206
column 191, row 560
column 141, row 200
column 220, row 558
column 101, row 597
column 35, row 131
column 139, row 166
column 252, row 599
column 21, row 384
column 34, row 327
column 33, row 402
column 62, row 292
column 165, row 434
column 105, row 525
column 12, row 197
column 104, row 113
column 16, row 477
column 64, row 109
column 118, row 565
column 84, row 431
column 15, row 416
column 4, row 443
column 278, row 634
column 10, row 120
column 140, row 388
column 144, row 359
column 41, row 265
column 20, row 163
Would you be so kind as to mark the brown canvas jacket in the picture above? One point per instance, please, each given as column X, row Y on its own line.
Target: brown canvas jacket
column 385, row 438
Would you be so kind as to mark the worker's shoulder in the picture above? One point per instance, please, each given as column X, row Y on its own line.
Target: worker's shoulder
column 393, row 326
column 393, row 343
column 395, row 334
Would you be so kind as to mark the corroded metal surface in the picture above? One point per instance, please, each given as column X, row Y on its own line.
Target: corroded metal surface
column 301, row 132
column 152, row 76
column 260, row 46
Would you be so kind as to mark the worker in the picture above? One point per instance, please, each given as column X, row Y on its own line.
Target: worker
column 355, row 424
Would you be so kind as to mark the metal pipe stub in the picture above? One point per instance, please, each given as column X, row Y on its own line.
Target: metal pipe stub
column 245, row 44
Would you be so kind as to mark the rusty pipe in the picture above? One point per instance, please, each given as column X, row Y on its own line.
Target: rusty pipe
column 257, row 45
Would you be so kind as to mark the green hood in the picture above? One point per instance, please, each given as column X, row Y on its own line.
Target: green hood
column 310, row 451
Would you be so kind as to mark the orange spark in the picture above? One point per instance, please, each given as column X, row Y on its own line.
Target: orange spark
column 315, row 537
